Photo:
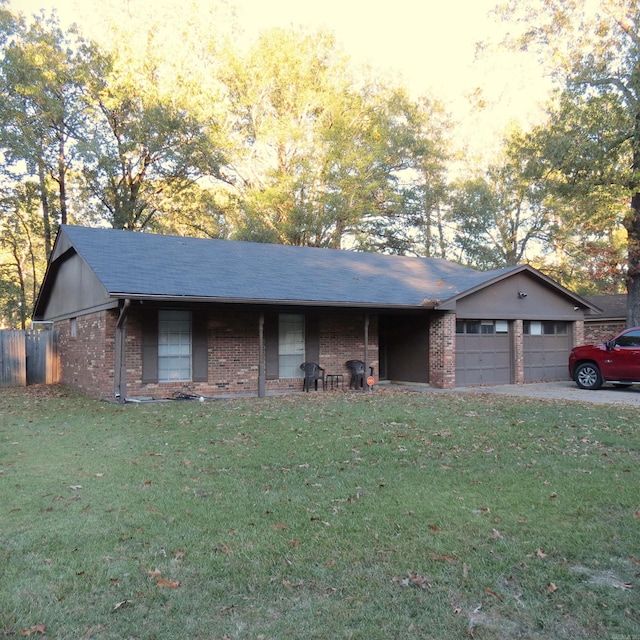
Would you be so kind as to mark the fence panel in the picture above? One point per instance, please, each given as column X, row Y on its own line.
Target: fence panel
column 28, row 357
column 13, row 359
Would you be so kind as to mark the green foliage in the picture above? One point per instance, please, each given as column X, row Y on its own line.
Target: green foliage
column 503, row 218
column 593, row 140
column 382, row 515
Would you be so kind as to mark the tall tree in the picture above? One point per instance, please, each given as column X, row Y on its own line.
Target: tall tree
column 501, row 217
column 594, row 49
column 145, row 144
column 319, row 156
column 42, row 77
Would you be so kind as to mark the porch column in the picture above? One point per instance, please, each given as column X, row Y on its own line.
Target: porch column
column 518, row 351
column 261, row 356
column 442, row 351
column 365, row 386
column 120, row 364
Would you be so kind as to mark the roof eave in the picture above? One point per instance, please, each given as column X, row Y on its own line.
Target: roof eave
column 142, row 297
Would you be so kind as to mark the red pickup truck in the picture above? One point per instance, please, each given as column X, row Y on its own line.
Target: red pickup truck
column 616, row 361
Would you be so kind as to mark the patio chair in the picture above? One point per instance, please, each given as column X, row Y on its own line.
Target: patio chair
column 312, row 373
column 356, row 367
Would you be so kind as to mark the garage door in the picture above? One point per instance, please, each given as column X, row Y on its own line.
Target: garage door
column 483, row 353
column 546, row 347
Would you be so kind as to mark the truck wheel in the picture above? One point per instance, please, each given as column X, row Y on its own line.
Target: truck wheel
column 588, row 376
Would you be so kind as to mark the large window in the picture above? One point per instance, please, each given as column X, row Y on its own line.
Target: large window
column 290, row 345
column 174, row 346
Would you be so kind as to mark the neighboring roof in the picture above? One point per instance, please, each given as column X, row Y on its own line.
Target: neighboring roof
column 614, row 306
column 141, row 265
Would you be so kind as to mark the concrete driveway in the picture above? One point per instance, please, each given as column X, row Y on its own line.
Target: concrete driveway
column 559, row 390
column 562, row 390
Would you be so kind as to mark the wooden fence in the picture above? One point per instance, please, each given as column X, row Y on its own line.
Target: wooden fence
column 28, row 357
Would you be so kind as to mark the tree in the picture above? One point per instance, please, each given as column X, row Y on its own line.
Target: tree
column 319, row 156
column 501, row 216
column 596, row 126
column 42, row 75
column 145, row 142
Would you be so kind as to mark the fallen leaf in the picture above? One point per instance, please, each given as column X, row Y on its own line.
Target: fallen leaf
column 413, row 579
column 171, row 584
column 494, row 594
column 495, row 535
column 178, row 555
column 280, row 526
column 434, row 527
column 75, row 487
column 552, row 587
column 440, row 557
column 553, row 496
column 121, row 605
column 38, row 628
column 156, row 573
column 540, row 553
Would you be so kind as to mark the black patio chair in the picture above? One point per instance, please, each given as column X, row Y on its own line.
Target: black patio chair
column 356, row 367
column 312, row 373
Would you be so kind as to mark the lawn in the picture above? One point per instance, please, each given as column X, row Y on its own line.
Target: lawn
column 339, row 515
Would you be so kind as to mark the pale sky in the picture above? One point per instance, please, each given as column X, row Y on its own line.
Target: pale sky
column 429, row 44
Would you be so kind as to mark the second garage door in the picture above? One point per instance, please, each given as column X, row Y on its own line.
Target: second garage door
column 546, row 347
column 483, row 352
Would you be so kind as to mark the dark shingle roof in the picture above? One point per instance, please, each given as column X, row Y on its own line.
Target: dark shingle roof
column 614, row 306
column 145, row 265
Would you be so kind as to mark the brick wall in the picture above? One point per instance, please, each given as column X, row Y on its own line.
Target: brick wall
column 596, row 332
column 442, row 351
column 517, row 332
column 88, row 359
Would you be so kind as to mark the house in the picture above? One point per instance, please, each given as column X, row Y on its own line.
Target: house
column 612, row 318
column 140, row 314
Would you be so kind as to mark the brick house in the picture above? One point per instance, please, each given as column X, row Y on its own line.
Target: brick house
column 146, row 315
column 611, row 320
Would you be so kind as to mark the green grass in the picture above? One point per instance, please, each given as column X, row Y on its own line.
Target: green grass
column 382, row 515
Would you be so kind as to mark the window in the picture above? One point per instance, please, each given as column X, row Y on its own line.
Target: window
column 174, row 346
column 484, row 327
column 487, row 327
column 629, row 339
column 290, row 345
column 73, row 327
column 547, row 328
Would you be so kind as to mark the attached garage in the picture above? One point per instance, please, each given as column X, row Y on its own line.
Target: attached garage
column 517, row 327
column 483, row 352
column 546, row 346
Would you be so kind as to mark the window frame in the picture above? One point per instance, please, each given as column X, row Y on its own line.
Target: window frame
column 178, row 350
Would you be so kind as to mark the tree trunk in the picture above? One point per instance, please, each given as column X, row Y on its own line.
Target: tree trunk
column 633, row 273
column 44, row 201
column 62, row 172
column 632, row 224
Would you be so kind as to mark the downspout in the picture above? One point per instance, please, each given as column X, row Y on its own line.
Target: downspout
column 120, row 365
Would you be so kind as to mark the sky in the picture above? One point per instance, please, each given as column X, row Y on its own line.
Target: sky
column 429, row 45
